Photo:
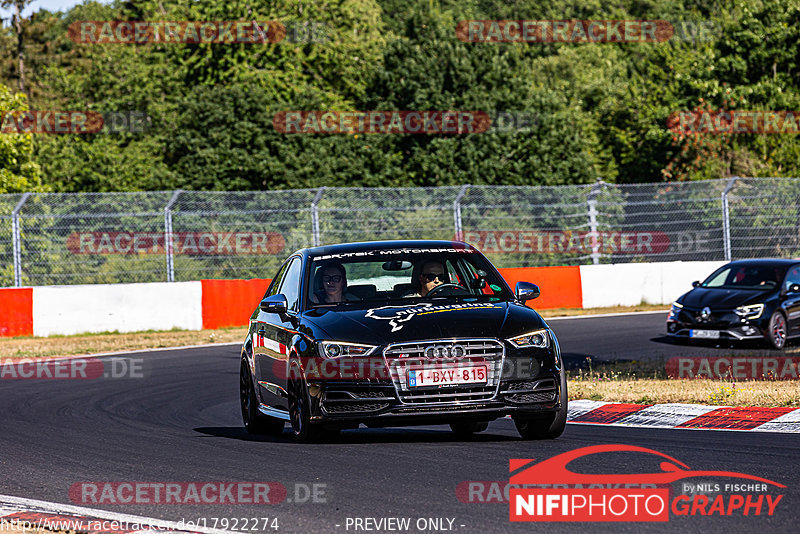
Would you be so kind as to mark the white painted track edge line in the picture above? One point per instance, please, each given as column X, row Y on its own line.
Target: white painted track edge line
column 121, row 352
column 621, row 314
column 58, row 508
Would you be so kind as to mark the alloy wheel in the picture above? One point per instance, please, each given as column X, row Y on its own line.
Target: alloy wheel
column 777, row 330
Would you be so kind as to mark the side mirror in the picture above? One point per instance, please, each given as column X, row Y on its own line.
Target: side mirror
column 526, row 291
column 274, row 304
column 695, row 284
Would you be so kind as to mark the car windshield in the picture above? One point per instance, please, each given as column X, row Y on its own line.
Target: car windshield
column 402, row 275
column 745, row 277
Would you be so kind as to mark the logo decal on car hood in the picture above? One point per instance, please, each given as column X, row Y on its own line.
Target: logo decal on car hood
column 398, row 315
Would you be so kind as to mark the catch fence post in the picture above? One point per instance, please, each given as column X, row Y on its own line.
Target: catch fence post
column 17, row 240
column 315, row 216
column 726, row 221
column 168, row 235
column 457, row 212
column 591, row 205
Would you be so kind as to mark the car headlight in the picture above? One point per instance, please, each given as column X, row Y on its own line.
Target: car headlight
column 339, row 349
column 676, row 308
column 539, row 339
column 753, row 311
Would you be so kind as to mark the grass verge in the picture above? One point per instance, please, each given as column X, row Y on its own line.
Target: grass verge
column 647, row 383
column 42, row 347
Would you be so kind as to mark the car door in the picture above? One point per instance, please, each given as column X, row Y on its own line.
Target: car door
column 792, row 300
column 272, row 334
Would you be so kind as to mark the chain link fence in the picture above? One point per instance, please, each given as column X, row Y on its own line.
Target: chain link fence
column 86, row 238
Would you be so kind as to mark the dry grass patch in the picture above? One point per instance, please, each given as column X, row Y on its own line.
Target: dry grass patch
column 40, row 347
column 646, row 382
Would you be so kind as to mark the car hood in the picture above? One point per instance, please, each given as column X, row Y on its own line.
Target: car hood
column 720, row 298
column 426, row 320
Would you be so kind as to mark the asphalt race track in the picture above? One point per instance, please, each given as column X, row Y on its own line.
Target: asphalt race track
column 180, row 422
column 637, row 337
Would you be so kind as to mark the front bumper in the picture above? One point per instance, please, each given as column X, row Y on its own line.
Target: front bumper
column 726, row 324
column 734, row 334
column 379, row 405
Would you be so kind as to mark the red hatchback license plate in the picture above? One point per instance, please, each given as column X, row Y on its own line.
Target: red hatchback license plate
column 448, row 376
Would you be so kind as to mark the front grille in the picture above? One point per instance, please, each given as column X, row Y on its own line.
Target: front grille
column 403, row 356
column 714, row 321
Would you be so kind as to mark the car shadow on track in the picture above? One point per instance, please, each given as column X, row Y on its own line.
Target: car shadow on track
column 367, row 435
column 709, row 346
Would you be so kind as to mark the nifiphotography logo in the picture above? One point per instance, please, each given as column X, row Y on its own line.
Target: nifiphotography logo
column 549, row 491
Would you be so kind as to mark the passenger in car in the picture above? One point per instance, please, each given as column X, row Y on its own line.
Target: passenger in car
column 432, row 274
column 330, row 285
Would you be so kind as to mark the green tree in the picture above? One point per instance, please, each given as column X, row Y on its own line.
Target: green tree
column 427, row 68
column 18, row 171
column 19, row 6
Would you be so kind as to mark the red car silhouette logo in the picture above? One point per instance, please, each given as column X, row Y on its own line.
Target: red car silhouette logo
column 554, row 470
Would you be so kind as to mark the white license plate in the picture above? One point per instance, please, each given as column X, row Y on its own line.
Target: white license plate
column 704, row 334
column 448, row 376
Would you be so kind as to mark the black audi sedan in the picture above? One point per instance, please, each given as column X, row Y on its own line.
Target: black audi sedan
column 743, row 300
column 399, row 333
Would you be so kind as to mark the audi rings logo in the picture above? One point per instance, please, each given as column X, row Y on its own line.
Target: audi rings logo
column 445, row 352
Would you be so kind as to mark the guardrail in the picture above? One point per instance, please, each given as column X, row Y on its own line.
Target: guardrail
column 67, row 310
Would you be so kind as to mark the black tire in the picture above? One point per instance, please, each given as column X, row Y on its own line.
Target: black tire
column 254, row 421
column 467, row 428
column 303, row 430
column 545, row 427
column 777, row 330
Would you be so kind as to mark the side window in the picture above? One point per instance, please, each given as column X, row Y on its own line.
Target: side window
column 290, row 285
column 719, row 279
column 277, row 281
column 793, row 277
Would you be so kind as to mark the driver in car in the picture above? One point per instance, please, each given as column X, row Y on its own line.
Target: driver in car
column 431, row 275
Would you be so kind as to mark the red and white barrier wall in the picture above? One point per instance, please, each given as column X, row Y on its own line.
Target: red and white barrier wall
column 66, row 310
